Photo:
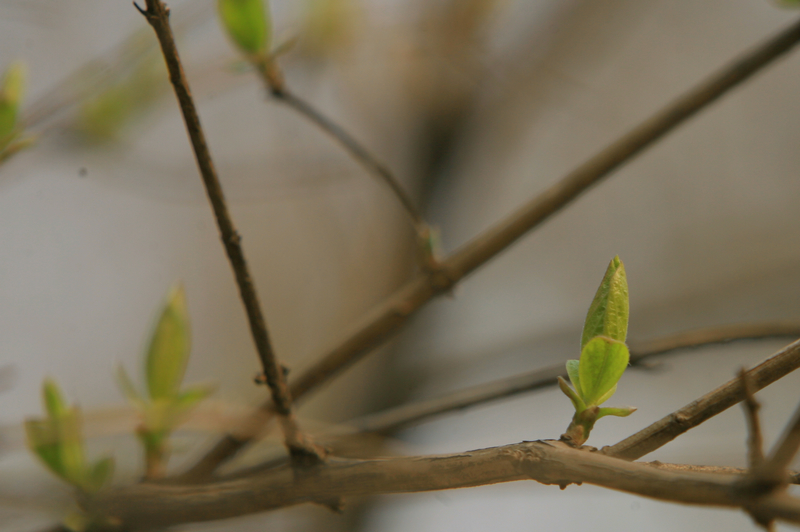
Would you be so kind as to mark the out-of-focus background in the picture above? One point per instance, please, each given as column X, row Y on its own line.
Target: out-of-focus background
column 476, row 105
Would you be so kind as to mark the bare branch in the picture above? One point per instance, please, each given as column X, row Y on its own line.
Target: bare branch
column 774, row 468
column 385, row 320
column 356, row 150
column 670, row 427
column 402, row 416
column 157, row 15
column 548, row 462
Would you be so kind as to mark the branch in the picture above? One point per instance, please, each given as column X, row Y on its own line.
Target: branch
column 548, row 462
column 755, row 442
column 157, row 15
column 356, row 150
column 774, row 468
column 402, row 416
column 673, row 425
column 385, row 320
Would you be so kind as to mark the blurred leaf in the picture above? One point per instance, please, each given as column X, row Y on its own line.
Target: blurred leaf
column 608, row 313
column 128, row 389
column 169, row 348
column 52, row 399
column 11, row 90
column 191, row 396
column 248, row 25
column 99, row 474
column 603, row 361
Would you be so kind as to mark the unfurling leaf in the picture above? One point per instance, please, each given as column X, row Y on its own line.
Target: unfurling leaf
column 577, row 402
column 624, row 411
column 603, row 361
column 248, row 25
column 608, row 313
column 169, row 348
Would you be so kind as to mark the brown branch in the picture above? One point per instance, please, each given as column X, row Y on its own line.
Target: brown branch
column 402, row 416
column 157, row 15
column 385, row 320
column 548, row 462
column 774, row 468
column 755, row 441
column 673, row 425
column 356, row 150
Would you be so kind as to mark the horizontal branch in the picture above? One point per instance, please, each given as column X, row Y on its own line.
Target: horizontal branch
column 402, row 416
column 385, row 320
column 548, row 462
column 673, row 425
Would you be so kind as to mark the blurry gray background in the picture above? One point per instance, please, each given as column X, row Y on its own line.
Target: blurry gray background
column 476, row 105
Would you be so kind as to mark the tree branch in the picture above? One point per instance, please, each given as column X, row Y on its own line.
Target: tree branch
column 356, row 150
column 388, row 318
column 402, row 416
column 755, row 441
column 548, row 462
column 673, row 425
column 775, row 467
column 157, row 15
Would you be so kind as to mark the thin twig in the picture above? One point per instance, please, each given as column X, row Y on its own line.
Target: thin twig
column 389, row 317
column 776, row 464
column 673, row 425
column 356, row 150
column 755, row 441
column 548, row 462
column 157, row 15
column 402, row 416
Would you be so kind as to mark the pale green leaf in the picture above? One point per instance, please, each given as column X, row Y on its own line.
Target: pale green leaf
column 608, row 313
column 603, row 361
column 169, row 348
column 248, row 25
column 191, row 396
column 577, row 402
column 606, row 396
column 620, row 411
column 574, row 375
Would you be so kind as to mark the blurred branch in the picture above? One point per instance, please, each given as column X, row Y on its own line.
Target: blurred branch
column 385, row 320
column 157, row 15
column 755, row 441
column 775, row 466
column 549, row 462
column 673, row 425
column 399, row 417
column 356, row 150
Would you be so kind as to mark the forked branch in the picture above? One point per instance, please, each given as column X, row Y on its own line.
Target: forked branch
column 157, row 15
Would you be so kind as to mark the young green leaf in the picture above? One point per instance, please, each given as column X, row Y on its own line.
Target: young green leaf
column 619, row 412
column 53, row 401
column 248, row 25
column 608, row 313
column 574, row 375
column 577, row 402
column 603, row 360
column 11, row 90
column 169, row 348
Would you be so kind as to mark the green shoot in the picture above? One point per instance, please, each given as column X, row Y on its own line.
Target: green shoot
column 604, row 356
column 164, row 405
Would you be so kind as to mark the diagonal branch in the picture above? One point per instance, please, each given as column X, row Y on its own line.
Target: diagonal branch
column 775, row 467
column 157, row 15
column 548, row 462
column 385, row 320
column 402, row 416
column 673, row 425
